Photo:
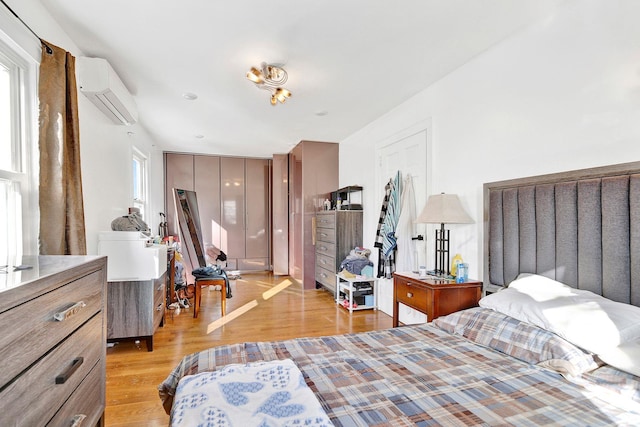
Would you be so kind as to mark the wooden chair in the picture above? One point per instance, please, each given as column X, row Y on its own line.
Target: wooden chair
column 210, row 281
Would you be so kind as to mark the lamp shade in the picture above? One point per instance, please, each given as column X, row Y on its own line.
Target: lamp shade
column 444, row 209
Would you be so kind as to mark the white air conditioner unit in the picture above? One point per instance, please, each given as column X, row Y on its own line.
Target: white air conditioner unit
column 100, row 83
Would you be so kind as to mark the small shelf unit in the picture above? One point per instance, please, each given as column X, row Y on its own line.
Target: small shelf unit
column 361, row 290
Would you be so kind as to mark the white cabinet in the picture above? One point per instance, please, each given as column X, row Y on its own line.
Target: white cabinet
column 356, row 293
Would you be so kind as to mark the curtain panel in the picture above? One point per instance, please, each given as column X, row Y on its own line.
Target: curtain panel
column 62, row 227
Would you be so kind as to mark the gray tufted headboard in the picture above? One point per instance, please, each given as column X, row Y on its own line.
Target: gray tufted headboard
column 581, row 228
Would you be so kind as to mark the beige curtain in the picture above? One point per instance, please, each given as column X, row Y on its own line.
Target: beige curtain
column 62, row 230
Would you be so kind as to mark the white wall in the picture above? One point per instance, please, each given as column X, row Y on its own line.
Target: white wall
column 563, row 94
column 105, row 147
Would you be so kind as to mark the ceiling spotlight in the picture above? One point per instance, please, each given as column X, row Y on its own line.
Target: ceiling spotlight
column 270, row 77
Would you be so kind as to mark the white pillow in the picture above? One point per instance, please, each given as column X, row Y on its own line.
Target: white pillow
column 583, row 318
column 625, row 357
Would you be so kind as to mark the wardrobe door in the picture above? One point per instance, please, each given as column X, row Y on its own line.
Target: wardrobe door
column 257, row 196
column 280, row 215
column 207, row 187
column 178, row 172
column 232, row 221
column 296, row 235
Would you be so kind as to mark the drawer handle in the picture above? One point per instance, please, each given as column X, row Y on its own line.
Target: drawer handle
column 409, row 294
column 324, row 234
column 74, row 309
column 77, row 420
column 159, row 307
column 323, row 248
column 323, row 275
column 63, row 377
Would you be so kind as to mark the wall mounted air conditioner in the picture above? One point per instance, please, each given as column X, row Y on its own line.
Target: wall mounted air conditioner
column 100, row 83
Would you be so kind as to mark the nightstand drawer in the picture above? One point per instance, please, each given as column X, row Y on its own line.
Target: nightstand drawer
column 410, row 295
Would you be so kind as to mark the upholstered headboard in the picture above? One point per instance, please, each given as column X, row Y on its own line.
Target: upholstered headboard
column 581, row 228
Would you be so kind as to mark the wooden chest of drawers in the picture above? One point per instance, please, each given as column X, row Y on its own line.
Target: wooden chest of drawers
column 337, row 232
column 53, row 340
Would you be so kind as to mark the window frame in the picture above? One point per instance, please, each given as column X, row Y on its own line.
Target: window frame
column 21, row 50
column 141, row 202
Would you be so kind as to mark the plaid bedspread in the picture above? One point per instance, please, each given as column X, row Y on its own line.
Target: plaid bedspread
column 420, row 375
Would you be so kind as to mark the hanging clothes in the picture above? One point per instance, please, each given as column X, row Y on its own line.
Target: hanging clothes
column 383, row 214
column 391, row 218
column 406, row 229
column 385, row 236
column 379, row 238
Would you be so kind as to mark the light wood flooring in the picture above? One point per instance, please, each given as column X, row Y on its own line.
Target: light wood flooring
column 263, row 308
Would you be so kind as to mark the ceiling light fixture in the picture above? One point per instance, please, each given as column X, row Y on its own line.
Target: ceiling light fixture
column 270, row 77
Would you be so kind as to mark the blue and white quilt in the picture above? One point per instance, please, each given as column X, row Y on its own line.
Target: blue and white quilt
column 264, row 394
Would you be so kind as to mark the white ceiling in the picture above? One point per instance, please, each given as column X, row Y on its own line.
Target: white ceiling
column 353, row 59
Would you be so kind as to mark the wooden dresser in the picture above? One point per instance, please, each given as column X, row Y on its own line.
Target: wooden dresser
column 53, row 342
column 337, row 232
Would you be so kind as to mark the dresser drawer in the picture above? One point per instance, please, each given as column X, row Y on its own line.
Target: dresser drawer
column 159, row 294
column 34, row 329
column 86, row 403
column 326, row 248
column 34, row 396
column 325, row 261
column 159, row 302
column 326, row 235
column 326, row 278
column 411, row 295
column 326, row 220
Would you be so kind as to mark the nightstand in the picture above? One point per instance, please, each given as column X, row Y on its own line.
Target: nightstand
column 433, row 297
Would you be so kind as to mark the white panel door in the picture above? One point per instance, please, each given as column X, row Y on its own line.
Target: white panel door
column 407, row 152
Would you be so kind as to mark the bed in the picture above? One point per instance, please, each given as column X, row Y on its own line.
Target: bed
column 568, row 240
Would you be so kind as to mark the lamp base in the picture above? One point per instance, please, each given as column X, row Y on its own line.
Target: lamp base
column 442, row 252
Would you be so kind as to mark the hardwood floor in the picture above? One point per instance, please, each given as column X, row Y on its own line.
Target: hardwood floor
column 263, row 308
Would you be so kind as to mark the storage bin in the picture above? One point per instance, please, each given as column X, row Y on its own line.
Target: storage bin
column 368, row 299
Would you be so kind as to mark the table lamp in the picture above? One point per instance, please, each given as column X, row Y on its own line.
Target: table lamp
column 443, row 209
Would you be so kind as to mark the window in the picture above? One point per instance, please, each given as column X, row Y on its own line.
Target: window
column 18, row 173
column 140, row 182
